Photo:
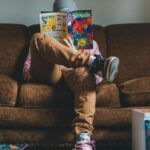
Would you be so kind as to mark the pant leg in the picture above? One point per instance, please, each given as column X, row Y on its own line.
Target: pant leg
column 54, row 52
column 83, row 85
column 42, row 70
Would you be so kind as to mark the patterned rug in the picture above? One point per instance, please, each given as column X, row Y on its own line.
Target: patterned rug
column 30, row 146
column 14, row 146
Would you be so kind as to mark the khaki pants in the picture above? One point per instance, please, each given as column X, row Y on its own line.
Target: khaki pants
column 47, row 55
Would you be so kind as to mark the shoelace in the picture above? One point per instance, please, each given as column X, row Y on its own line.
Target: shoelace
column 85, row 145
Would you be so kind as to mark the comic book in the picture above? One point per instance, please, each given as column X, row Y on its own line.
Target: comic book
column 76, row 25
column 54, row 24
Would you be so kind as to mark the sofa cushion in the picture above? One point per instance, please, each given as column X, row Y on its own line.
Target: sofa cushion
column 130, row 42
column 107, row 95
column 136, row 92
column 8, row 91
column 12, row 49
column 61, row 117
column 35, row 95
column 45, row 96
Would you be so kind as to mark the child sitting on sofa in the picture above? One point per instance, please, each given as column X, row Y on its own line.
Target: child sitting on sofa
column 45, row 62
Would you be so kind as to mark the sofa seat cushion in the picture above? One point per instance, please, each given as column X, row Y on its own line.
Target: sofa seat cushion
column 107, row 95
column 21, row 118
column 136, row 92
column 8, row 91
column 35, row 95
column 45, row 96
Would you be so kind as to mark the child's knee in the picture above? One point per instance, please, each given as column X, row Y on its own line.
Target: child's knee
column 38, row 39
column 37, row 36
column 41, row 38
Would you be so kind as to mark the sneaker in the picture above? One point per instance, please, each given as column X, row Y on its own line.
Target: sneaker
column 108, row 66
column 84, row 142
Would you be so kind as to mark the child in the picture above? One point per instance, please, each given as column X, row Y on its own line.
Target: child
column 45, row 62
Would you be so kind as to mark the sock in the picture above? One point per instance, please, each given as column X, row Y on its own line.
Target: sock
column 84, row 137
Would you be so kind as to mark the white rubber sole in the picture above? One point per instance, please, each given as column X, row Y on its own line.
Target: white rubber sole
column 111, row 74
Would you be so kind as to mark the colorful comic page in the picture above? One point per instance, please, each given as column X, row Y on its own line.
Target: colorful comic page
column 80, row 28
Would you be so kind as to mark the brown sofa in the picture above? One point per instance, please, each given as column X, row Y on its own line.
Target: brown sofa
column 40, row 113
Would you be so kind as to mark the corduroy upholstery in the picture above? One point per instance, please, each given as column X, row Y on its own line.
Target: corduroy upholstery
column 8, row 91
column 130, row 42
column 42, row 113
column 31, row 95
column 12, row 49
column 139, row 96
column 61, row 117
column 38, row 95
column 107, row 96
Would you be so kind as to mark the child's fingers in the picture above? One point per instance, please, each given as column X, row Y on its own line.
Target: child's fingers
column 69, row 39
column 68, row 44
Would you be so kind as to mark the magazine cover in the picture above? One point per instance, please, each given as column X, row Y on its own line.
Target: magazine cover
column 147, row 134
column 54, row 24
column 80, row 28
column 76, row 25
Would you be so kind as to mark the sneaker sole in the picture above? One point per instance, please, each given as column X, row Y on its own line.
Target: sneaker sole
column 111, row 73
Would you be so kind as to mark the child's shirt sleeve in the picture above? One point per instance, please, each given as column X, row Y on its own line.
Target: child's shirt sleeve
column 95, row 49
column 26, row 67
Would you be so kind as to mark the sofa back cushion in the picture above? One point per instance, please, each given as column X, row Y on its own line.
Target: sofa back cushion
column 131, row 43
column 12, row 49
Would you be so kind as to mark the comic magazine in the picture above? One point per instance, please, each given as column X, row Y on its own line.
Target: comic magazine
column 77, row 25
column 54, row 24
column 80, row 28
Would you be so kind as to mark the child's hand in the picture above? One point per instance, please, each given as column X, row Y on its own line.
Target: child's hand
column 69, row 43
